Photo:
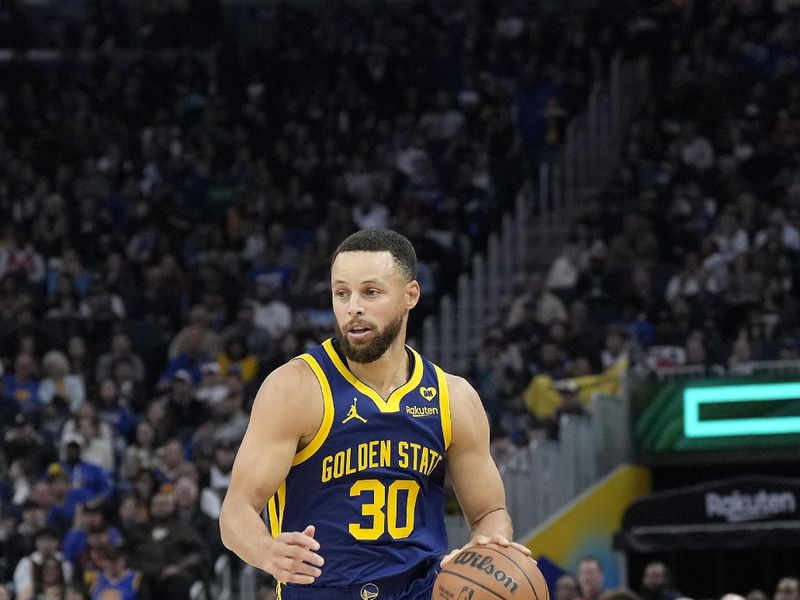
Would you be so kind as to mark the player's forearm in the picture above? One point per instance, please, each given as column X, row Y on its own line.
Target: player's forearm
column 496, row 522
column 244, row 533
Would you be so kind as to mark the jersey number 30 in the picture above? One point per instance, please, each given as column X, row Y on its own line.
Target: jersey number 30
column 385, row 498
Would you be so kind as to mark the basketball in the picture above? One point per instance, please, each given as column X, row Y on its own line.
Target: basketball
column 490, row 572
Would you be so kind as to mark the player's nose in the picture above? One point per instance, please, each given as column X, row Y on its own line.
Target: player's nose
column 354, row 307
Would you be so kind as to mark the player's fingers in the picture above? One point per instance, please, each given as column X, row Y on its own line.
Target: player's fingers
column 301, row 554
column 481, row 540
column 310, row 531
column 297, row 567
column 299, row 539
column 524, row 549
column 500, row 541
column 449, row 557
column 289, row 577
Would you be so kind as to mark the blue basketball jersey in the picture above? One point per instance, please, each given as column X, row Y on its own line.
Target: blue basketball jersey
column 371, row 479
column 124, row 588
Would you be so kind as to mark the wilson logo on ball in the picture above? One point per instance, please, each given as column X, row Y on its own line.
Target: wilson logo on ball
column 486, row 564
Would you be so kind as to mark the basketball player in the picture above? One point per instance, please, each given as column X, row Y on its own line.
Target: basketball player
column 347, row 444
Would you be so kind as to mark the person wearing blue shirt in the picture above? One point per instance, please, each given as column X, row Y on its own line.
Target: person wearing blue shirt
column 82, row 474
column 116, row 580
column 21, row 387
column 65, row 499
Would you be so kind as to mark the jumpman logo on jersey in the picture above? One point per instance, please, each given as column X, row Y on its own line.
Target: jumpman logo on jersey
column 353, row 413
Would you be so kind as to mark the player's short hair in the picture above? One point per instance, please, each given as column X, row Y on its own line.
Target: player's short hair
column 383, row 240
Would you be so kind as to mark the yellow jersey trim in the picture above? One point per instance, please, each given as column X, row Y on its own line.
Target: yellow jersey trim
column 392, row 403
column 275, row 508
column 274, row 522
column 327, row 413
column 444, row 406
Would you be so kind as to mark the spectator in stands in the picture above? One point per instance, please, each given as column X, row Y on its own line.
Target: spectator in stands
column 788, row 588
column 257, row 338
column 230, row 420
column 46, row 543
column 570, row 405
column 131, row 391
column 590, row 576
column 66, row 500
column 614, row 348
column 131, row 515
column 219, row 475
column 115, row 412
column 160, row 420
column 197, row 336
column 172, row 464
column 188, row 512
column 93, row 437
column 141, row 454
column 116, row 579
column 20, row 542
column 22, row 441
column 566, row 588
column 48, row 582
column 538, row 303
column 212, row 388
column 190, row 357
column 21, row 388
column 185, row 409
column 79, row 359
column 270, row 311
column 120, row 348
column 83, row 474
column 19, row 482
column 657, row 583
column 89, row 520
column 98, row 537
column 171, row 555
column 59, row 383
column 238, row 359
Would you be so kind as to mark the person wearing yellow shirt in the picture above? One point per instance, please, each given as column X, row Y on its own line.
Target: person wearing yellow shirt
column 237, row 357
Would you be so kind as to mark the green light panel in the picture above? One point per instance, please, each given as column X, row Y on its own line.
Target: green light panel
column 765, row 392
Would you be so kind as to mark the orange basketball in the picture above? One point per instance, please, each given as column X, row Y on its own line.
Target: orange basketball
column 490, row 572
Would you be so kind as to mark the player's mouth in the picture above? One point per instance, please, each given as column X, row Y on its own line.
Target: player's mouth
column 358, row 333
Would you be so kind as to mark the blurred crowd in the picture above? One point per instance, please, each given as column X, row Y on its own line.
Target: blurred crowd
column 169, row 202
column 656, row 583
column 686, row 260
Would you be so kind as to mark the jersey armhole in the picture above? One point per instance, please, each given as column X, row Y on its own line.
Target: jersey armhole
column 327, row 411
column 444, row 406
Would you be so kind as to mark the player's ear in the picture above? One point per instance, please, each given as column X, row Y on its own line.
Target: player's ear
column 412, row 294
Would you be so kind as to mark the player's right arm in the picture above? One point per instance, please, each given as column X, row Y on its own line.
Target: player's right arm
column 287, row 412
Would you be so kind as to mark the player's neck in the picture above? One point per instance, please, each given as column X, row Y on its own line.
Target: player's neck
column 387, row 373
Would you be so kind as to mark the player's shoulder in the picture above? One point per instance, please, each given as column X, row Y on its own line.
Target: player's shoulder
column 460, row 389
column 467, row 416
column 463, row 397
column 290, row 387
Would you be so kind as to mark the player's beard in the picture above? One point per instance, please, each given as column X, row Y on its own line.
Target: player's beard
column 375, row 346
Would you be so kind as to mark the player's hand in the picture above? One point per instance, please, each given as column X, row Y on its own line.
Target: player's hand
column 482, row 540
column 293, row 557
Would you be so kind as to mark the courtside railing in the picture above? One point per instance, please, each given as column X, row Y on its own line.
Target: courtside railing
column 546, row 475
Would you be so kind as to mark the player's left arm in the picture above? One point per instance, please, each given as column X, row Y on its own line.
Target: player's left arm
column 474, row 475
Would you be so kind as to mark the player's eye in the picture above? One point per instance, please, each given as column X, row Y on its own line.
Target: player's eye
column 341, row 293
column 373, row 292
